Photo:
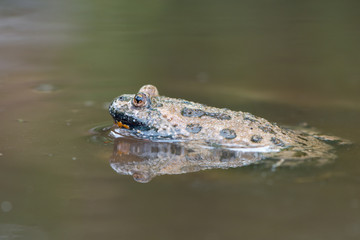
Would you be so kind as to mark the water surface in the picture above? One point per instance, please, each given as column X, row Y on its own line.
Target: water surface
column 62, row 63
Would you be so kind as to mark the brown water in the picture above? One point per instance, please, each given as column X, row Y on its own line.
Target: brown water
column 62, row 62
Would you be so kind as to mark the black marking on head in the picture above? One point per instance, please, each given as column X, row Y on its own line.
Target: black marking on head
column 132, row 122
column 256, row 138
column 277, row 142
column 189, row 112
column 267, row 128
column 193, row 128
column 228, row 133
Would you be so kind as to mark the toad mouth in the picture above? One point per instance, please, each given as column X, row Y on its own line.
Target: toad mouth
column 129, row 122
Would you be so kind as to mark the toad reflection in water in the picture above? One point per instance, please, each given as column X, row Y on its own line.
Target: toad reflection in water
column 144, row 159
column 158, row 135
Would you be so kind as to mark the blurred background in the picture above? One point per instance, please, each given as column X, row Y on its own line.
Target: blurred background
column 62, row 62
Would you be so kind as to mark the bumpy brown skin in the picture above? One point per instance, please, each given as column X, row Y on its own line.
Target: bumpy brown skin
column 163, row 117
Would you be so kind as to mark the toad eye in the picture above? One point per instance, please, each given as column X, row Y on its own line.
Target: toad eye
column 139, row 100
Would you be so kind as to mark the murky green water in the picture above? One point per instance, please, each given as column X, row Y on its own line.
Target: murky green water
column 62, row 62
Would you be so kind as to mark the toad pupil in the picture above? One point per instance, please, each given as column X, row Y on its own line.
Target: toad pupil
column 139, row 100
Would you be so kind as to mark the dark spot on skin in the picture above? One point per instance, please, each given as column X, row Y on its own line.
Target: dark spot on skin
column 188, row 112
column 302, row 138
column 193, row 128
column 220, row 116
column 250, row 119
column 267, row 129
column 277, row 142
column 256, row 138
column 228, row 133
